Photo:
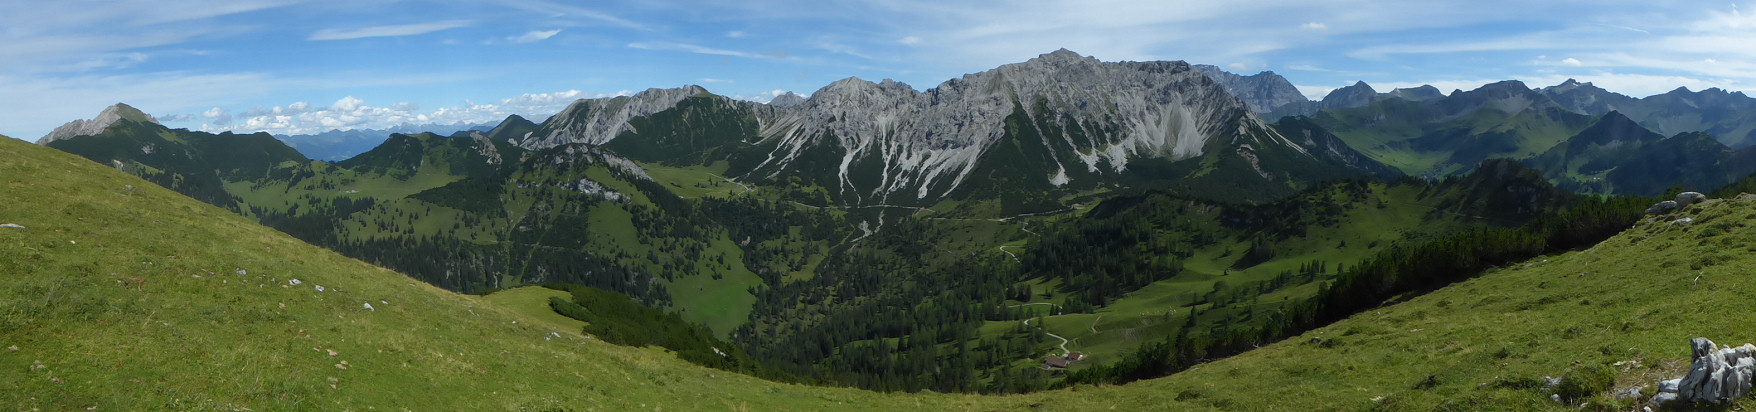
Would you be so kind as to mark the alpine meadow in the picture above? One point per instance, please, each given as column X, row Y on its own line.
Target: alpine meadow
column 1039, row 231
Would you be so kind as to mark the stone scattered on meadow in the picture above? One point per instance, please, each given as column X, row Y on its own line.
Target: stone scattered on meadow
column 1664, row 207
column 1688, row 198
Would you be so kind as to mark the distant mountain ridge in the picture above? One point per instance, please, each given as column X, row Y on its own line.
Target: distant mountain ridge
column 1723, row 114
column 1263, row 91
column 1728, row 116
column 337, row 145
column 1060, row 121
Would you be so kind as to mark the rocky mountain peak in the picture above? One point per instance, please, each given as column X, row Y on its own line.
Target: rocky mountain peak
column 110, row 116
column 787, row 99
column 1356, row 95
column 1424, row 92
column 1062, row 56
column 597, row 121
column 514, row 128
column 930, row 141
column 1263, row 92
column 1503, row 88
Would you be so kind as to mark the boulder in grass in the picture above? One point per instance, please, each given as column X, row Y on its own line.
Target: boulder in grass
column 1664, row 207
column 1688, row 198
column 1717, row 376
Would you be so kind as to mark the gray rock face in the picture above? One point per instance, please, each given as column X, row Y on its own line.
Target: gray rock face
column 1263, row 92
column 1688, row 198
column 597, row 121
column 1716, row 376
column 1663, row 398
column 1663, row 207
column 110, row 116
column 1359, row 94
column 924, row 144
column 1126, row 110
column 787, row 100
column 485, row 146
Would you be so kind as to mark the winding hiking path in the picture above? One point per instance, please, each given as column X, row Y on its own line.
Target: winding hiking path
column 746, row 187
column 1009, row 253
column 1064, row 351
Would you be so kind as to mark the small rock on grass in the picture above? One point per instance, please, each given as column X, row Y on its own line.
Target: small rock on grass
column 11, row 226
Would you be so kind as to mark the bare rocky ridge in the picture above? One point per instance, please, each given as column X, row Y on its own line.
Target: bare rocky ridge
column 1263, row 92
column 97, row 125
column 786, row 100
column 597, row 121
column 1126, row 110
column 928, row 142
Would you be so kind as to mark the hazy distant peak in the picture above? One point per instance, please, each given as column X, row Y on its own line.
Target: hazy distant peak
column 787, row 99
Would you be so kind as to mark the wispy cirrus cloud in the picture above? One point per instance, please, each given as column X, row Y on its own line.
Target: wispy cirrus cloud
column 692, row 48
column 388, row 31
column 535, row 36
column 556, row 10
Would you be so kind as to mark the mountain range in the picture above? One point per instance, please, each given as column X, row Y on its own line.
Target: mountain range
column 337, row 145
column 1145, row 214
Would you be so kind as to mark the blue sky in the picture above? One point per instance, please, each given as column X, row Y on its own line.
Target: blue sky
column 290, row 66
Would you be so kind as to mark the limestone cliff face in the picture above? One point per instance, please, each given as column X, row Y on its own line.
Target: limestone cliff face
column 928, row 142
column 1263, row 92
column 597, row 121
column 1087, row 118
column 97, row 125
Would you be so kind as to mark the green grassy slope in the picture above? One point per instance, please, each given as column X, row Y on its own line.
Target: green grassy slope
column 1448, row 135
column 1627, row 305
column 132, row 299
column 100, row 295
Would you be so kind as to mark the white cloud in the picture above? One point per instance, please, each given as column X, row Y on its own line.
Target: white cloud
column 1314, row 26
column 55, row 100
column 535, row 36
column 910, row 40
column 353, row 113
column 218, row 116
column 347, row 104
column 1238, row 67
column 1572, row 62
column 388, row 31
column 1308, row 68
column 736, row 34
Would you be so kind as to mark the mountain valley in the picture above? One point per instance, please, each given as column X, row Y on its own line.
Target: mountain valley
column 1062, row 232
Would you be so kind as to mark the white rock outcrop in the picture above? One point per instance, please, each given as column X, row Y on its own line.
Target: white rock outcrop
column 1717, row 375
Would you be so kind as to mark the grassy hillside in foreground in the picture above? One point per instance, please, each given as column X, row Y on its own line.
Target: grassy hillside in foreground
column 101, row 297
column 139, row 298
column 1627, row 305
